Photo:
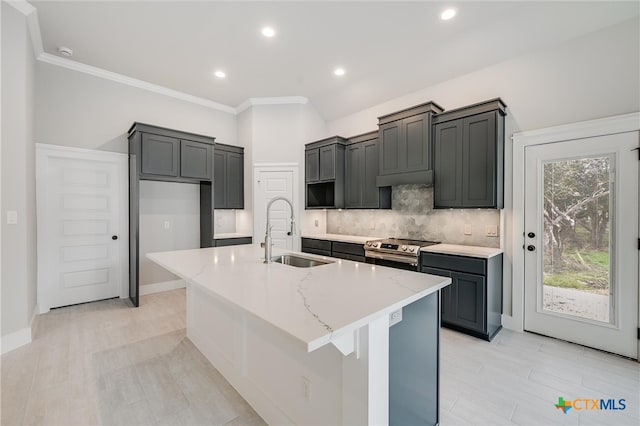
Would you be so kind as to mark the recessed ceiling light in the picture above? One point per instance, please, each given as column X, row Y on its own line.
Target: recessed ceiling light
column 447, row 14
column 339, row 71
column 268, row 32
column 220, row 74
column 65, row 51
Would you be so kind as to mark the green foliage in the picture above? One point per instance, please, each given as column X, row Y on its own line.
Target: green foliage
column 587, row 270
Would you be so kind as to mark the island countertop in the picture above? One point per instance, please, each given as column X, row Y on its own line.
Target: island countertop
column 314, row 305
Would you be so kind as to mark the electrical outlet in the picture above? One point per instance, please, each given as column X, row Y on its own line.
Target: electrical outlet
column 492, row 231
column 167, row 224
column 467, row 229
column 306, row 388
column 316, row 223
column 395, row 317
column 12, row 217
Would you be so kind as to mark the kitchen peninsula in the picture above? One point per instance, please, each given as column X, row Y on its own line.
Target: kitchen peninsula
column 340, row 343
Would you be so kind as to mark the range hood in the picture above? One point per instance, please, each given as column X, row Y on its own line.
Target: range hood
column 406, row 146
column 423, row 177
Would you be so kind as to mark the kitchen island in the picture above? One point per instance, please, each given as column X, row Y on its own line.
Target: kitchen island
column 315, row 345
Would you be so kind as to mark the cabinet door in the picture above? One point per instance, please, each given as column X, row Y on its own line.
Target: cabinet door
column 479, row 161
column 196, row 160
column 159, row 155
column 219, row 179
column 371, row 167
column 328, row 162
column 312, row 165
column 353, row 176
column 469, row 299
column 392, row 151
column 447, row 164
column 416, row 143
column 235, row 180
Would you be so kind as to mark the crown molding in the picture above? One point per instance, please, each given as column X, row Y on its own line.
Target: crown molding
column 33, row 25
column 281, row 100
column 123, row 79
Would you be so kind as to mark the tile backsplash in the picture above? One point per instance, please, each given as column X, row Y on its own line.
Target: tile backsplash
column 412, row 215
column 224, row 221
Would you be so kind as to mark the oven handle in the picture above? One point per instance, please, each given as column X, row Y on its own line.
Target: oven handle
column 387, row 256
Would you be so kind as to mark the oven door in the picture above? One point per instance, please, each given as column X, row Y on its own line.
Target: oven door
column 392, row 261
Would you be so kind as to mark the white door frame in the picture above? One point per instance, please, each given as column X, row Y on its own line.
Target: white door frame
column 294, row 168
column 585, row 129
column 43, row 151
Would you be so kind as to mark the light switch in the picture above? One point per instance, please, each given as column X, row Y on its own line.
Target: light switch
column 467, row 229
column 492, row 231
column 316, row 222
column 167, row 224
column 12, row 217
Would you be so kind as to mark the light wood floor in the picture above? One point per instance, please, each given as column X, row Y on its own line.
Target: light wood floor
column 106, row 363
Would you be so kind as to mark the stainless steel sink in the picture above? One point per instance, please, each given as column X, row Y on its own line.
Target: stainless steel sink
column 299, row 262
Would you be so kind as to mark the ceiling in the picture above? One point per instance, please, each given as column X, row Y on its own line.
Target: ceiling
column 387, row 48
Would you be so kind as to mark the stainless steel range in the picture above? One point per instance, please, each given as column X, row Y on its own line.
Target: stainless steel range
column 396, row 252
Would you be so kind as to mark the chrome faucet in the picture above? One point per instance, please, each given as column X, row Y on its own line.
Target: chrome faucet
column 267, row 244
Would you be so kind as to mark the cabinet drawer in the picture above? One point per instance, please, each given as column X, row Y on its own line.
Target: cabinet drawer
column 224, row 242
column 312, row 243
column 319, row 252
column 348, row 248
column 346, row 256
column 454, row 263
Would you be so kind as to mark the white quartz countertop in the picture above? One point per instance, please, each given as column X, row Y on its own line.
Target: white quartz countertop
column 231, row 235
column 356, row 239
column 471, row 251
column 314, row 305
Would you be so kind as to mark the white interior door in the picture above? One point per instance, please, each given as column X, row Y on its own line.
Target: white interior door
column 581, row 241
column 271, row 184
column 82, row 226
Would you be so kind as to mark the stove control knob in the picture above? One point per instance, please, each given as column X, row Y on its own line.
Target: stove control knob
column 368, row 243
column 404, row 248
column 412, row 249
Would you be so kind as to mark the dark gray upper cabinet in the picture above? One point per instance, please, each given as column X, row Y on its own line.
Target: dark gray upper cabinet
column 361, row 170
column 405, row 146
column 325, row 173
column 469, row 156
column 196, row 160
column 312, row 165
column 228, row 179
column 159, row 155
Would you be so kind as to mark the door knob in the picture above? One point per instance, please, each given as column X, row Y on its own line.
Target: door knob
column 114, row 237
column 531, row 235
column 531, row 248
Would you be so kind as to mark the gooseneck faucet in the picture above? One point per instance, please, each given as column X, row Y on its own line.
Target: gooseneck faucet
column 268, row 245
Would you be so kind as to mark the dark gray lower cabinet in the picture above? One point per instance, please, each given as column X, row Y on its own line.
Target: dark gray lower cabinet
column 473, row 302
column 224, row 242
column 314, row 246
column 338, row 249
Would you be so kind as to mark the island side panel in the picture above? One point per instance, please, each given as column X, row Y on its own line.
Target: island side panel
column 283, row 382
column 413, row 364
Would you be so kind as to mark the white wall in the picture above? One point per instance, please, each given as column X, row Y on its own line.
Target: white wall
column 18, row 174
column 175, row 203
column 77, row 109
column 589, row 77
column 277, row 134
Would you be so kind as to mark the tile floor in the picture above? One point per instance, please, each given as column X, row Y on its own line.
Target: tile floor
column 105, row 363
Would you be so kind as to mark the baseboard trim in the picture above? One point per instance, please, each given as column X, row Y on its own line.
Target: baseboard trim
column 510, row 323
column 14, row 340
column 35, row 319
column 161, row 286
